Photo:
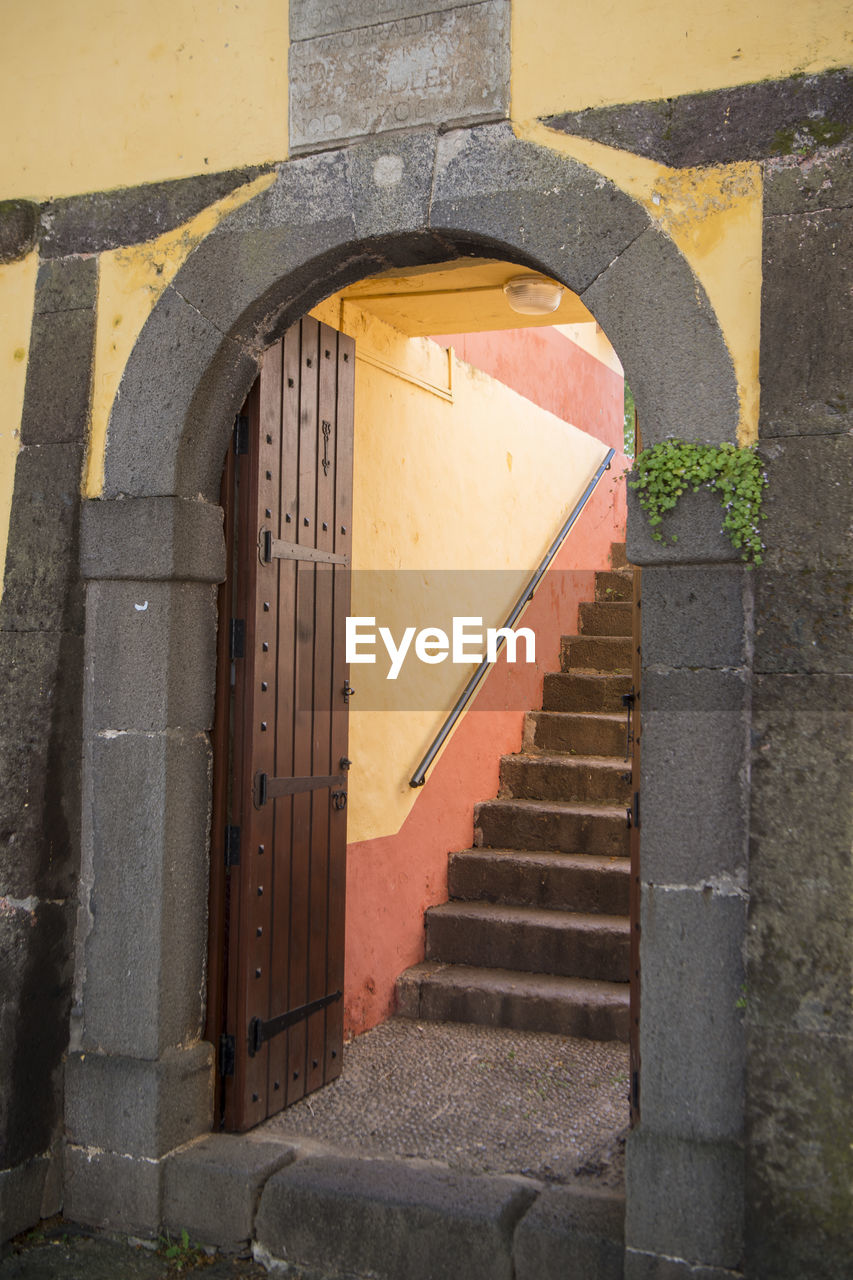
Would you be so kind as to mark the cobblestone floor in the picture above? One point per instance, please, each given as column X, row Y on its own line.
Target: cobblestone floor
column 478, row 1098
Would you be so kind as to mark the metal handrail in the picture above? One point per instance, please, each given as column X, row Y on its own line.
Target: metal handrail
column 418, row 778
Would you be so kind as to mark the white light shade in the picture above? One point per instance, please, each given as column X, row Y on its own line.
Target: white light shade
column 533, row 295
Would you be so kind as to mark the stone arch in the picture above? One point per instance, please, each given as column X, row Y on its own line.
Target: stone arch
column 335, row 217
column 153, row 542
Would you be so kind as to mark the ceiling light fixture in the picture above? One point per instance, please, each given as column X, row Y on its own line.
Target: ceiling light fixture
column 533, row 295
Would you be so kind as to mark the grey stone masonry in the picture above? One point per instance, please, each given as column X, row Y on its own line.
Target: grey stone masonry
column 41, row 625
column 799, row 1015
column 391, row 1218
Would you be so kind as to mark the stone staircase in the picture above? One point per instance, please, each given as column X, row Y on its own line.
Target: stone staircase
column 536, row 934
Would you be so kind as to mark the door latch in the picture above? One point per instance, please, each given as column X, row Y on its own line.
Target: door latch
column 349, row 692
column 339, row 799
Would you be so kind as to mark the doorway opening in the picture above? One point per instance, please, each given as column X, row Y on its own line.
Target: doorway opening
column 431, row 312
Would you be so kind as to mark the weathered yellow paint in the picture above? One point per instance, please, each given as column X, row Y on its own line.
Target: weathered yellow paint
column 98, row 94
column 482, row 483
column 17, row 291
column 713, row 215
column 572, row 54
column 130, row 282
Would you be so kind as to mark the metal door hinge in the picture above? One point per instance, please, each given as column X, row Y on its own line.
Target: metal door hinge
column 633, row 814
column 227, row 1055
column 241, row 434
column 232, row 847
column 238, row 638
column 261, row 1032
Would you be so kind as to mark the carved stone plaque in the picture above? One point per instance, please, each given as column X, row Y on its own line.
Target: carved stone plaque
column 310, row 18
column 449, row 66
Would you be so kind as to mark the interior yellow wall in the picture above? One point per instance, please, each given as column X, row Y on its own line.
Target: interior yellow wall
column 17, row 290
column 482, row 483
column 98, row 94
column 572, row 54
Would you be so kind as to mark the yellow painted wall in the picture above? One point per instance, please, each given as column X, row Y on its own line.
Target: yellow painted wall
column 572, row 54
column 479, row 484
column 97, row 94
column 17, row 290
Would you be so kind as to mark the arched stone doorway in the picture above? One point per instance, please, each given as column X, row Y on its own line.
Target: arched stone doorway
column 141, row 1084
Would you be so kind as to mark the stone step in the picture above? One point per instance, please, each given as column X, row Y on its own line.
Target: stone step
column 618, row 557
column 584, row 691
column 586, row 733
column 605, row 618
column 614, row 584
column 595, row 779
column 582, row 1007
column 530, row 939
column 595, row 653
column 551, row 824
column 537, row 878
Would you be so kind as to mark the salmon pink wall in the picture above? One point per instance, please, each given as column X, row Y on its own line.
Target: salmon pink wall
column 548, row 368
column 392, row 880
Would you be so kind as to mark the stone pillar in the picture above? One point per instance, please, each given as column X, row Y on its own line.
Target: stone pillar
column 800, row 957
column 139, row 1080
column 684, row 1180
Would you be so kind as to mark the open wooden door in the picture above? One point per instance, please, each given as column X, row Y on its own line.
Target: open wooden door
column 275, row 998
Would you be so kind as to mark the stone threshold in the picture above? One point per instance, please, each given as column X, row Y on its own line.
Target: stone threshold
column 317, row 1212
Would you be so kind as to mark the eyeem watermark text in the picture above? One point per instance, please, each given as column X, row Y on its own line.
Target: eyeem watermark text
column 464, row 645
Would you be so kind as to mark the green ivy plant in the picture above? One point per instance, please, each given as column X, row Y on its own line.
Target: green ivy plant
column 664, row 471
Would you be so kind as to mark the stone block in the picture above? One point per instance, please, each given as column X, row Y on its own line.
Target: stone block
column 571, row 1231
column 113, row 1192
column 391, row 182
column 440, row 65
column 695, row 617
column 66, row 284
column 153, row 650
column 99, row 220
column 391, row 1219
column 649, row 1266
column 809, row 503
column 21, row 1194
column 692, row 533
column 212, row 1188
column 138, row 1108
column 684, row 1199
column 35, row 998
column 801, row 873
column 722, row 126
column 824, row 182
column 806, row 331
column 176, row 349
column 799, row 1122
column 40, row 763
column 152, row 539
column 147, row 936
column 41, row 590
column 691, row 1029
column 489, row 186
column 256, row 250
column 695, row 776
column 658, row 318
column 18, row 229
column 59, row 374
column 803, row 620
